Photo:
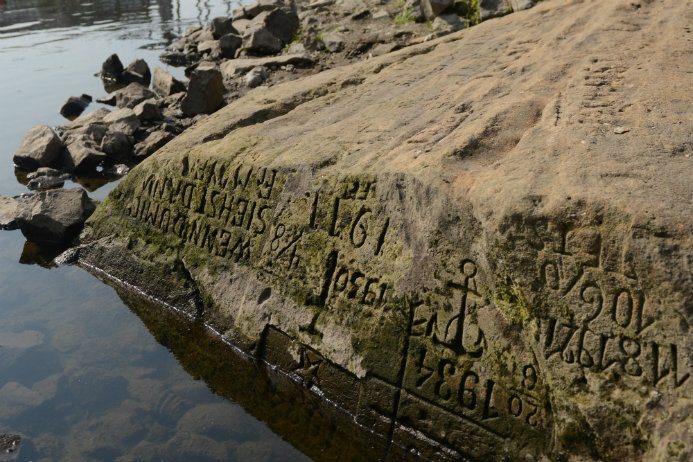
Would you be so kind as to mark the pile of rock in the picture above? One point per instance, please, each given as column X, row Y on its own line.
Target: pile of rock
column 277, row 40
column 52, row 217
column 264, row 43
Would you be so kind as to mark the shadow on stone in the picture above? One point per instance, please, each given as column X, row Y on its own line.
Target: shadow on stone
column 302, row 417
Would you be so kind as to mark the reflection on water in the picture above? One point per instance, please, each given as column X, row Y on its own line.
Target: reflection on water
column 81, row 377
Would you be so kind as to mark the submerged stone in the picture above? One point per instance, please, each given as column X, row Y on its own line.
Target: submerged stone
column 449, row 242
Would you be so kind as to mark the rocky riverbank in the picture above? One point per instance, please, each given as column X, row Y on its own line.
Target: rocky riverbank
column 260, row 45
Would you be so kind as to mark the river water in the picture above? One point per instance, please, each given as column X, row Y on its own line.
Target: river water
column 82, row 377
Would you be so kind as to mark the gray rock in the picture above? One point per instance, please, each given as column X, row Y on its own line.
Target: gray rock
column 254, row 9
column 46, row 178
column 152, row 143
column 43, row 171
column 241, row 25
column 234, row 67
column 165, row 84
column 95, row 117
column 40, row 147
column 381, row 14
column 132, row 95
column 256, row 76
column 333, row 42
column 257, row 39
column 433, row 8
column 148, row 110
column 493, row 8
column 123, row 120
column 318, row 4
column 112, row 67
column 8, row 212
column 48, row 181
column 519, row 5
column 117, row 145
column 448, row 23
column 204, row 35
column 384, row 48
column 137, row 71
column 83, row 153
column 221, row 26
column 297, row 48
column 205, row 91
column 74, row 106
column 54, row 217
column 279, row 23
column 118, row 170
column 415, row 8
column 229, row 44
column 95, row 131
column 178, row 58
column 209, row 47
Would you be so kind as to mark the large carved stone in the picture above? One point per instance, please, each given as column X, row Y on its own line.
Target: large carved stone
column 479, row 247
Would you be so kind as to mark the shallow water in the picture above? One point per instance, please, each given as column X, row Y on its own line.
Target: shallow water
column 81, row 375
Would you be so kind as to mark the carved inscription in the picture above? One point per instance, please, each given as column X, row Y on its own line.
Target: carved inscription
column 600, row 318
column 216, row 207
column 445, row 364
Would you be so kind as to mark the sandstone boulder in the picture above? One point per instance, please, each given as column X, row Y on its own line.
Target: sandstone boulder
column 130, row 96
column 8, row 212
column 123, row 120
column 152, row 143
column 74, row 106
column 116, row 145
column 205, row 91
column 221, row 26
column 82, row 153
column 40, row 147
column 165, row 84
column 433, row 8
column 148, row 110
column 478, row 247
column 137, row 71
column 55, row 216
column 112, row 67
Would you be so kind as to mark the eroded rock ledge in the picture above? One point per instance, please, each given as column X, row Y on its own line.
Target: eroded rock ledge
column 479, row 247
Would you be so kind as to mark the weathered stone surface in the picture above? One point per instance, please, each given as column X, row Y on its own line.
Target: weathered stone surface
column 54, row 217
column 46, row 178
column 123, row 120
column 132, row 95
column 258, row 39
column 256, row 76
column 8, row 212
column 152, row 143
column 241, row 65
column 117, row 145
column 112, row 67
column 205, row 91
column 165, row 84
column 229, row 44
column 84, row 120
column 254, row 9
column 333, row 42
column 221, row 26
column 74, row 106
column 137, row 71
column 40, row 147
column 82, row 153
column 148, row 110
column 433, row 8
column 453, row 229
column 448, row 23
